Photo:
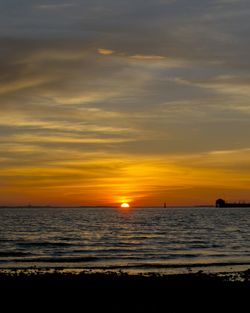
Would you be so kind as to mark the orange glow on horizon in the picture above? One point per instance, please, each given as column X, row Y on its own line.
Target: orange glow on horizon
column 147, row 182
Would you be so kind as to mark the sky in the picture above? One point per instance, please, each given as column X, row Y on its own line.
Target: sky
column 110, row 101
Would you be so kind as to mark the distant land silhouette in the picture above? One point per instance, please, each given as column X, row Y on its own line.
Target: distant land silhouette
column 221, row 203
column 30, row 206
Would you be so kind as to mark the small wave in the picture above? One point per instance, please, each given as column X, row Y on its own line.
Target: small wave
column 201, row 246
column 172, row 266
column 10, row 254
column 44, row 244
column 54, row 260
column 220, row 264
column 114, row 251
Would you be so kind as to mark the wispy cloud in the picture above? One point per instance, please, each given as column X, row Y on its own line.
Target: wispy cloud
column 55, row 6
column 147, row 57
column 105, row 51
column 144, row 98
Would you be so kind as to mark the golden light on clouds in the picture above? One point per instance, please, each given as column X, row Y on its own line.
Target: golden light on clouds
column 139, row 57
column 105, row 51
column 118, row 104
column 147, row 57
column 123, row 180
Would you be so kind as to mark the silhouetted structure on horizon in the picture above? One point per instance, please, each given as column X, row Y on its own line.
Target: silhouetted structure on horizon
column 220, row 203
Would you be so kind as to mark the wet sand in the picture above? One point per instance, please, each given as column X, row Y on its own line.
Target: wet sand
column 118, row 292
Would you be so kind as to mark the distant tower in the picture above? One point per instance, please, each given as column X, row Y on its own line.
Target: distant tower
column 165, row 205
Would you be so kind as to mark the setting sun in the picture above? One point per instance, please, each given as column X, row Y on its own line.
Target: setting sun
column 125, row 205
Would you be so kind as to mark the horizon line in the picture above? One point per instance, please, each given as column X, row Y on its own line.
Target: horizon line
column 102, row 206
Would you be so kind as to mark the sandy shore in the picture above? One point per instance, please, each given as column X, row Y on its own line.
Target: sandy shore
column 118, row 292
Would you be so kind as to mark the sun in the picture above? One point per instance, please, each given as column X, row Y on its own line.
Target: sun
column 125, row 205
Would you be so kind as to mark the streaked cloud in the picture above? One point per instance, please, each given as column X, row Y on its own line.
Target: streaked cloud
column 147, row 57
column 55, row 6
column 143, row 100
column 106, row 51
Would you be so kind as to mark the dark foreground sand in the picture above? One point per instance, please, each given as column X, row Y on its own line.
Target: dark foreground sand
column 44, row 292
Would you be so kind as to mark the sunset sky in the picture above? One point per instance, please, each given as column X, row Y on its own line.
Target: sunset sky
column 110, row 101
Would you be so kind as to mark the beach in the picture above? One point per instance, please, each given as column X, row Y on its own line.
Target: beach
column 120, row 292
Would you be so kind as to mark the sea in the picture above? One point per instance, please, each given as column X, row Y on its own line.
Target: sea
column 138, row 240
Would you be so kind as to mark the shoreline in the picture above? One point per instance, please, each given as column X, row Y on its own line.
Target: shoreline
column 51, row 273
column 35, row 274
column 132, row 269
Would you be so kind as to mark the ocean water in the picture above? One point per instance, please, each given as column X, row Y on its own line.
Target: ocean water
column 138, row 240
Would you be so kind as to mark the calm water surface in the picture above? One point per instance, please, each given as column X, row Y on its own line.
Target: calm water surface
column 142, row 239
